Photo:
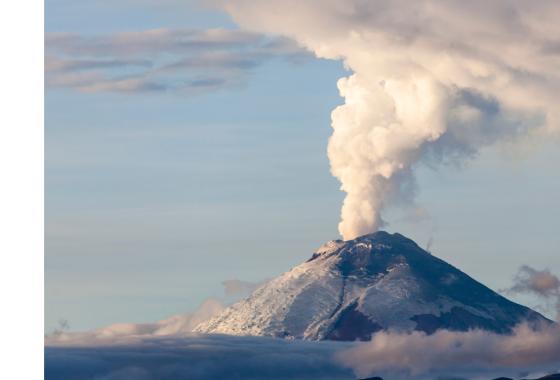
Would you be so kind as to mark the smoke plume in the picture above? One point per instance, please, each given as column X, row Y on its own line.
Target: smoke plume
column 432, row 80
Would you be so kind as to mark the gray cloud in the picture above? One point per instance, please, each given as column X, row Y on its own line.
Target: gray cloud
column 541, row 283
column 181, row 61
column 197, row 357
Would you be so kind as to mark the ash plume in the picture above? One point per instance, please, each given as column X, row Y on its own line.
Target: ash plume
column 431, row 81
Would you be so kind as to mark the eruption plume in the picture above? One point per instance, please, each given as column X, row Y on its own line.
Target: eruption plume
column 431, row 80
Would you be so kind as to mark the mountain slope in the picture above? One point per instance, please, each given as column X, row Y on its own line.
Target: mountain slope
column 348, row 290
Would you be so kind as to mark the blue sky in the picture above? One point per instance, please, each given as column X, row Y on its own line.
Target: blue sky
column 153, row 199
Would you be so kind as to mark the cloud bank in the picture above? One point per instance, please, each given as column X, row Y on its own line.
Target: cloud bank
column 196, row 358
column 445, row 354
column 161, row 60
column 448, row 353
column 431, row 81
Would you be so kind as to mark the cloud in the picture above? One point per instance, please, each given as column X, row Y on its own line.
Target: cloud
column 448, row 353
column 541, row 283
column 239, row 287
column 430, row 82
column 160, row 60
column 168, row 349
column 176, row 325
column 197, row 357
column 445, row 354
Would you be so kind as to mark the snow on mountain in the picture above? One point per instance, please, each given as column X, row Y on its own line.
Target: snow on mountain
column 348, row 290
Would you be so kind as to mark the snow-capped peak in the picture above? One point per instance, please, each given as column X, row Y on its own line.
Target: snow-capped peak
column 348, row 290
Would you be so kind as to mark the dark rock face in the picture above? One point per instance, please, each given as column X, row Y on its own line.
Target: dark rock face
column 457, row 319
column 353, row 325
column 438, row 279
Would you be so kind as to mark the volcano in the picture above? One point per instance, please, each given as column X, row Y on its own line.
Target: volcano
column 348, row 290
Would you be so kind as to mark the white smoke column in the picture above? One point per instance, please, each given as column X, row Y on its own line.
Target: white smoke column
column 376, row 133
column 432, row 80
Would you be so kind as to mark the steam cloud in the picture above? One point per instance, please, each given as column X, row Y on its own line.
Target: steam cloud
column 431, row 81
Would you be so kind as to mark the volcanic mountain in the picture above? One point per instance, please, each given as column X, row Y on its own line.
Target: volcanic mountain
column 349, row 290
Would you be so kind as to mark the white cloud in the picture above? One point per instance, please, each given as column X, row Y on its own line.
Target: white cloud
column 430, row 81
column 470, row 354
column 122, row 333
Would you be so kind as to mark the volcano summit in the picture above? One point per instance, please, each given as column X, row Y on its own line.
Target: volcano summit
column 348, row 290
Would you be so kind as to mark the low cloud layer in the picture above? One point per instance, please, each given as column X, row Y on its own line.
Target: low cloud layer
column 161, row 60
column 471, row 354
column 197, row 358
column 468, row 355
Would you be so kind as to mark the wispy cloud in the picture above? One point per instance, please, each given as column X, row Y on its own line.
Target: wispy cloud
column 182, row 61
column 237, row 287
column 127, row 333
column 541, row 283
column 176, row 325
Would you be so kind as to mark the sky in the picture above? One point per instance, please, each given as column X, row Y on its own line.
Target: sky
column 155, row 194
